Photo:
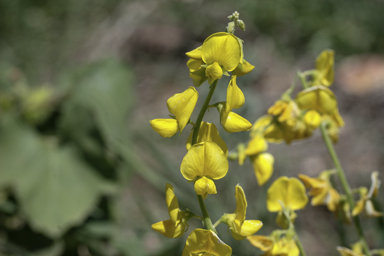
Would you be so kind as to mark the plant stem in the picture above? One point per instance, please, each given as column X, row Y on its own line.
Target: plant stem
column 347, row 189
column 286, row 213
column 299, row 245
column 204, row 108
column 204, row 211
column 302, row 78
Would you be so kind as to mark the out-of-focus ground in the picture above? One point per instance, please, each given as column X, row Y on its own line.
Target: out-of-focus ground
column 44, row 39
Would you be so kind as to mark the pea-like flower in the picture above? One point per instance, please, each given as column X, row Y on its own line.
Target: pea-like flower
column 241, row 228
column 181, row 105
column 231, row 121
column 208, row 132
column 288, row 193
column 357, row 250
column 365, row 204
column 322, row 191
column 203, row 163
column 220, row 53
column 318, row 98
column 203, row 242
column 177, row 224
column 275, row 245
column 262, row 161
column 325, row 73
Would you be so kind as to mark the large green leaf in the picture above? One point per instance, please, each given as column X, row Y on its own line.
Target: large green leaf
column 56, row 190
column 102, row 90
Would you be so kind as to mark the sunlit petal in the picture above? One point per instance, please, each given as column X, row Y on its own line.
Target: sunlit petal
column 223, row 48
column 318, row 98
column 165, row 127
column 204, row 159
column 182, row 105
column 208, row 132
column 205, row 241
column 235, row 97
column 263, row 167
column 289, row 191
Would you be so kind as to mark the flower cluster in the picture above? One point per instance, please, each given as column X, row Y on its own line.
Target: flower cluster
column 289, row 119
column 206, row 157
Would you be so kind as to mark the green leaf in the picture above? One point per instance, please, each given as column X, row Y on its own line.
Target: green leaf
column 55, row 188
column 104, row 91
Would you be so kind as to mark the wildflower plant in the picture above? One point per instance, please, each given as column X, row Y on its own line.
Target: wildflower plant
column 290, row 118
column 221, row 54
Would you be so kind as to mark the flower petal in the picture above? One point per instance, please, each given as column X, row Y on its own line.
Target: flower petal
column 257, row 145
column 206, row 242
column 182, row 105
column 235, row 97
column 312, row 119
column 165, row 127
column 172, row 203
column 318, row 98
column 195, row 54
column 264, row 243
column 213, row 72
column 205, row 186
column 241, row 205
column 204, row 159
column 194, row 64
column 223, row 48
column 324, row 66
column 169, row 229
column 250, row 227
column 243, row 68
column 263, row 167
column 289, row 191
column 234, row 122
column 208, row 132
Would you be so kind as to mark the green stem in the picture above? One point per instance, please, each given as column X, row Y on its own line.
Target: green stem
column 302, row 78
column 287, row 213
column 202, row 112
column 204, row 211
column 347, row 189
column 217, row 223
column 299, row 245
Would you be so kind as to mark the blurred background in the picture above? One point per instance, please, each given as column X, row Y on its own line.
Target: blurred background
column 82, row 172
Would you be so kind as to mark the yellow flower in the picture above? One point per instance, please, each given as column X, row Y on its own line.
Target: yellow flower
column 357, row 250
column 288, row 122
column 203, row 163
column 224, row 48
column 233, row 122
column 235, row 97
column 287, row 191
column 270, row 130
column 257, row 145
column 263, row 167
column 312, row 119
column 243, row 68
column 213, row 72
column 333, row 124
column 241, row 228
column 202, row 242
column 181, row 105
column 220, row 52
column 281, row 246
column 365, row 202
column 177, row 224
column 324, row 67
column 321, row 191
column 208, row 132
column 318, row 98
column 196, row 68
